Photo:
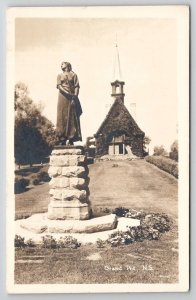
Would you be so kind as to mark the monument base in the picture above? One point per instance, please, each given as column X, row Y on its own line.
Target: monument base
column 68, row 211
column 39, row 223
column 87, row 231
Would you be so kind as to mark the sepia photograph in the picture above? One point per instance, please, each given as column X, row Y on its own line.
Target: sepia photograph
column 98, row 149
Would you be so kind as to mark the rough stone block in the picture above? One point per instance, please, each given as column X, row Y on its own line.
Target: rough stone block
column 59, row 161
column 88, row 226
column 76, row 160
column 67, row 160
column 74, row 171
column 72, row 194
column 54, row 171
column 91, row 230
column 125, row 223
column 69, row 172
column 78, row 183
column 33, row 225
column 66, row 151
column 65, row 211
column 56, row 194
column 68, row 194
column 59, row 182
column 73, row 203
column 67, row 183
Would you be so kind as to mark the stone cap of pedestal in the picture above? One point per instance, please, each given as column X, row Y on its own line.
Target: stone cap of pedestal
column 63, row 147
column 70, row 150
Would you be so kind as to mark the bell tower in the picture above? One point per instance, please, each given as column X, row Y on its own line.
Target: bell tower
column 117, row 84
column 117, row 90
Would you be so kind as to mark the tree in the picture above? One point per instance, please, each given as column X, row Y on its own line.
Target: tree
column 34, row 133
column 160, row 151
column 174, row 151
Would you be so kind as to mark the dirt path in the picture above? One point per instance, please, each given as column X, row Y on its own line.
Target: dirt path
column 132, row 184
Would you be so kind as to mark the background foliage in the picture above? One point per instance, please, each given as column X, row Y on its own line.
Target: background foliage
column 164, row 163
column 34, row 133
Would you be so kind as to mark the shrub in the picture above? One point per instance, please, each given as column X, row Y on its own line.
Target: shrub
column 20, row 185
column 134, row 214
column 175, row 171
column 19, row 242
column 100, row 243
column 64, row 242
column 159, row 150
column 151, row 227
column 40, row 176
column 30, row 243
column 106, row 210
column 68, row 242
column 43, row 176
column 160, row 222
column 35, row 181
column 133, row 234
column 128, row 213
column 165, row 164
column 174, row 151
column 49, row 242
column 120, row 211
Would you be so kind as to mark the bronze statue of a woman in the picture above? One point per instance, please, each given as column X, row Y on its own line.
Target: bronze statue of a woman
column 69, row 108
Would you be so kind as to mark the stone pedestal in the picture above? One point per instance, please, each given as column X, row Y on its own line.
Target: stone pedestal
column 69, row 184
column 69, row 208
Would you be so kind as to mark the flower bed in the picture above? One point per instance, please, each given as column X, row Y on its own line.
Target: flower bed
column 152, row 225
column 49, row 242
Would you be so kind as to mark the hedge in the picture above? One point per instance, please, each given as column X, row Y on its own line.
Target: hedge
column 166, row 164
column 20, row 185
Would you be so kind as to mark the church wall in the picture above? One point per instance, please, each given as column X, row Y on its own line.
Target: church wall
column 136, row 145
column 119, row 122
column 101, row 146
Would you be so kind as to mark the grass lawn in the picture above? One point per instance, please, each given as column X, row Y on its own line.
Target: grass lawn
column 132, row 184
column 35, row 198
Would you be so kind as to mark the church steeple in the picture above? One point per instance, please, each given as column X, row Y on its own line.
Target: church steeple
column 117, row 84
column 117, row 90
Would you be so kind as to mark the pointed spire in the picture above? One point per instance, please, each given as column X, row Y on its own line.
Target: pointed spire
column 117, row 68
column 117, row 83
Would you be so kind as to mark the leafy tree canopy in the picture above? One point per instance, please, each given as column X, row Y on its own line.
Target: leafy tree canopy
column 174, row 151
column 34, row 133
column 160, row 150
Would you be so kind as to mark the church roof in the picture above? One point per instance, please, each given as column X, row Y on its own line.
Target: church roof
column 117, row 82
column 119, row 107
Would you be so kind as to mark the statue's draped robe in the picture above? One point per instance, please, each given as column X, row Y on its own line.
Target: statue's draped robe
column 69, row 108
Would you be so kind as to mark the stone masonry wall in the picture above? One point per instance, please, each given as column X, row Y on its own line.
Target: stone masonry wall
column 69, row 184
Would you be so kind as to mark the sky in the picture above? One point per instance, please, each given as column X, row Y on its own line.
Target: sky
column 148, row 61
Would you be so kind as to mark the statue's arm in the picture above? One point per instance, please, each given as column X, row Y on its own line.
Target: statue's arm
column 76, row 85
column 76, row 91
column 59, row 85
column 61, row 89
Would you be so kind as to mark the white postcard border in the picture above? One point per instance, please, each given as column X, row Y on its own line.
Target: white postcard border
column 181, row 13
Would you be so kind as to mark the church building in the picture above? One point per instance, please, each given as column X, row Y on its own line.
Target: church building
column 119, row 133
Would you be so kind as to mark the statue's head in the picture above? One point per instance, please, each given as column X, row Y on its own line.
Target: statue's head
column 66, row 66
